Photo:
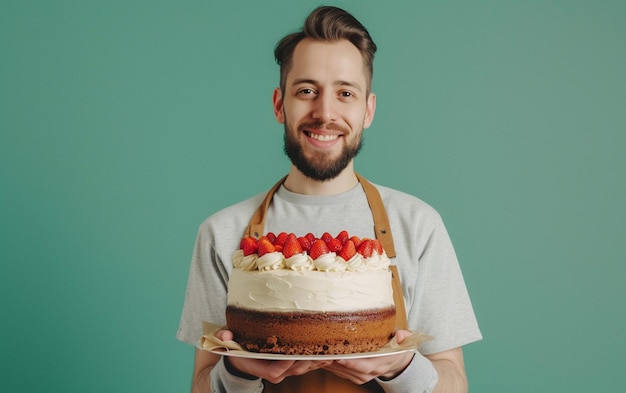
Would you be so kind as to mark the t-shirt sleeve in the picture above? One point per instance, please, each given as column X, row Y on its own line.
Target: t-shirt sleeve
column 205, row 298
column 442, row 307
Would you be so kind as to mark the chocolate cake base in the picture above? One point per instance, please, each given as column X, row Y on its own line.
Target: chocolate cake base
column 311, row 333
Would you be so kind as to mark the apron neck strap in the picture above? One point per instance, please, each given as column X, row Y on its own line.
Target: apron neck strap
column 381, row 221
column 257, row 222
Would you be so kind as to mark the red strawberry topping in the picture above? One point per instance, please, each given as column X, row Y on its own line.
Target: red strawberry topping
column 318, row 248
column 248, row 245
column 356, row 240
column 304, row 243
column 280, row 239
column 265, row 246
column 292, row 246
column 327, row 237
column 343, row 237
column 289, row 244
column 365, row 248
column 334, row 245
column 378, row 248
column 348, row 250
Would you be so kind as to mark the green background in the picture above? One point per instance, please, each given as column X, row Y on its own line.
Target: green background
column 125, row 123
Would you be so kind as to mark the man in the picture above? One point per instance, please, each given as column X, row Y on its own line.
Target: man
column 325, row 103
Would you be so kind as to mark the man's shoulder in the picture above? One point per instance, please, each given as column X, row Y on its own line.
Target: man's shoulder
column 251, row 203
column 404, row 207
column 401, row 198
column 234, row 215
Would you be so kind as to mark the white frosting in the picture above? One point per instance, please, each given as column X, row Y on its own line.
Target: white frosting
column 299, row 262
column 378, row 261
column 247, row 262
column 285, row 289
column 330, row 262
column 271, row 261
column 357, row 263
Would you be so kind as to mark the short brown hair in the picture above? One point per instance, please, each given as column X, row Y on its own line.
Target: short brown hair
column 327, row 24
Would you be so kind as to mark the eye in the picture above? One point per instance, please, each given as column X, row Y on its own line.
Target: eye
column 306, row 91
column 346, row 94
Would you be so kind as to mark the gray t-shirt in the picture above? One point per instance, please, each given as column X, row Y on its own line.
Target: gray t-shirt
column 434, row 291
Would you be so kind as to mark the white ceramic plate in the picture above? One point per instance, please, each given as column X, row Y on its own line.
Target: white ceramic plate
column 273, row 356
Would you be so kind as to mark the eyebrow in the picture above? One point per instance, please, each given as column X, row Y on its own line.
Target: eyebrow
column 336, row 83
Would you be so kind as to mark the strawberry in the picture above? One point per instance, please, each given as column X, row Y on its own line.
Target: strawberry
column 271, row 237
column 265, row 246
column 311, row 237
column 319, row 248
column 292, row 246
column 365, row 248
column 280, row 239
column 355, row 240
column 348, row 250
column 378, row 248
column 327, row 237
column 343, row 237
column 304, row 243
column 248, row 245
column 334, row 245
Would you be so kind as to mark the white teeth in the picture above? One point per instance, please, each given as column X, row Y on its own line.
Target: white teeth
column 324, row 138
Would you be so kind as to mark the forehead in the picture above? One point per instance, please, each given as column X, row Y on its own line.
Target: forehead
column 327, row 62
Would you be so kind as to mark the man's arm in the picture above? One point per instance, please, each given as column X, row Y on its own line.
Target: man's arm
column 210, row 375
column 450, row 368
column 406, row 371
column 203, row 364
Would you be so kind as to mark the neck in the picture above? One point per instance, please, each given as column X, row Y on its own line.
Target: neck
column 300, row 184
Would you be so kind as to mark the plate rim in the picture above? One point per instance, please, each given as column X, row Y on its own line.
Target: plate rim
column 276, row 356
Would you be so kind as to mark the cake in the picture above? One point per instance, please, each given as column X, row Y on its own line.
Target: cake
column 308, row 295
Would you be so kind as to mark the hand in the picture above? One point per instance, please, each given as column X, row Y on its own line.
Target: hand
column 273, row 371
column 363, row 370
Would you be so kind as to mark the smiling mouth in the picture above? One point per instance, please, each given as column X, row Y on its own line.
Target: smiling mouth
column 320, row 137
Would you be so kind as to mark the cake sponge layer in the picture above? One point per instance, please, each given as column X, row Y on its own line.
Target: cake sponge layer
column 311, row 333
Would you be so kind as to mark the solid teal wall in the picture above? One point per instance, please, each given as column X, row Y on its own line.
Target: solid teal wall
column 125, row 123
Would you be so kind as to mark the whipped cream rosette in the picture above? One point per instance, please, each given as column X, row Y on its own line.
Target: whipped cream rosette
column 299, row 262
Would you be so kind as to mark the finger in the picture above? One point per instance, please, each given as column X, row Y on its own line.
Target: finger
column 401, row 335
column 273, row 371
column 322, row 364
column 348, row 374
column 303, row 367
column 278, row 374
column 224, row 335
column 363, row 369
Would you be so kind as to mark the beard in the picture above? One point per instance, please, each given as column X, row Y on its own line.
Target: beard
column 319, row 166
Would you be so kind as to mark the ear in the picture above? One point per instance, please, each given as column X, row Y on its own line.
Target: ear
column 277, row 99
column 370, row 109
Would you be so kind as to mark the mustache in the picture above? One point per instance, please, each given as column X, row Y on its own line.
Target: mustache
column 317, row 125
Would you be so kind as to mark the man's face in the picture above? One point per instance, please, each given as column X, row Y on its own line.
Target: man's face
column 324, row 107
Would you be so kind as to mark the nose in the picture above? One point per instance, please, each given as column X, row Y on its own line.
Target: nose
column 324, row 108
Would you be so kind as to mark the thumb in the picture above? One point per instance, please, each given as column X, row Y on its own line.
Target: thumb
column 224, row 335
column 401, row 335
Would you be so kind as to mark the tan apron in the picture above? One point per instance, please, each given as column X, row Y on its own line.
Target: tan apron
column 321, row 380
